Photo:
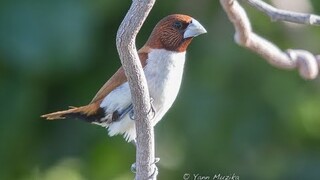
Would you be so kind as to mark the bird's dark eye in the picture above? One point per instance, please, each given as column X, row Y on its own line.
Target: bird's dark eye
column 178, row 25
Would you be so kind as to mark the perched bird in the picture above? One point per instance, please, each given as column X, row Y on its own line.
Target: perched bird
column 162, row 58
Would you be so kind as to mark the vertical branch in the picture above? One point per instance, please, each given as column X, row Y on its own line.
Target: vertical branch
column 126, row 47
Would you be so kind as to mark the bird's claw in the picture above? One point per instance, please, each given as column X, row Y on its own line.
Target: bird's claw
column 151, row 112
column 155, row 171
column 131, row 115
column 156, row 160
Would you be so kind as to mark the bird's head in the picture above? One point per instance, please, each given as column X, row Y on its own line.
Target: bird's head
column 175, row 33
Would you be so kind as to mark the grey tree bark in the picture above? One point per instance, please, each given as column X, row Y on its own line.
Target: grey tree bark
column 307, row 63
column 126, row 47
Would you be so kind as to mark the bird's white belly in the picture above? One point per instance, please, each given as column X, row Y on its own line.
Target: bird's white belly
column 163, row 72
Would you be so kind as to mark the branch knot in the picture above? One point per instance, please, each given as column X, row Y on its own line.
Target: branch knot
column 305, row 61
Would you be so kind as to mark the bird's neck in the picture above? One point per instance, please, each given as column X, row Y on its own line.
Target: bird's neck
column 163, row 63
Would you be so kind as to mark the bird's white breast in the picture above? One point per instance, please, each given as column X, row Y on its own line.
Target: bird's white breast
column 163, row 72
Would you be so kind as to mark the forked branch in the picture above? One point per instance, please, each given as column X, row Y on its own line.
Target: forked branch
column 307, row 63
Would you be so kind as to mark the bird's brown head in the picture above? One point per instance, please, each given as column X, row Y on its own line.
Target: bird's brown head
column 175, row 33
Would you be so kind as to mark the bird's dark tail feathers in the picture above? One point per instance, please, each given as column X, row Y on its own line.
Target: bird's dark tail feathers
column 92, row 112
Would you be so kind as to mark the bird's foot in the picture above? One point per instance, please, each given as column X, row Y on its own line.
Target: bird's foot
column 155, row 171
column 133, row 168
column 151, row 113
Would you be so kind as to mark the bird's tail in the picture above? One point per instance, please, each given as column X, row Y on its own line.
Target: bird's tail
column 90, row 112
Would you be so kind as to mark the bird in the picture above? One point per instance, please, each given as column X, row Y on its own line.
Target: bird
column 163, row 59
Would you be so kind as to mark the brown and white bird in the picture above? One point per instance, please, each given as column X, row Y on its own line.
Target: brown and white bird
column 163, row 58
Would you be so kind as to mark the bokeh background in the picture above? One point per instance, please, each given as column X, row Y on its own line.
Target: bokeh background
column 235, row 114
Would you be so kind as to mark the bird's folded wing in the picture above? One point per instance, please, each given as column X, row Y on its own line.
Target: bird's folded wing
column 119, row 77
column 116, row 80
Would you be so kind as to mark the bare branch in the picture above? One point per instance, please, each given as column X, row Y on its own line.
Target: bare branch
column 126, row 37
column 307, row 63
column 283, row 15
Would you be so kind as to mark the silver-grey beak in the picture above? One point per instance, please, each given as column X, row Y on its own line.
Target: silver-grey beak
column 194, row 29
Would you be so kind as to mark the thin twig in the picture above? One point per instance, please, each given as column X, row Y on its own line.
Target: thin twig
column 283, row 15
column 126, row 37
column 306, row 62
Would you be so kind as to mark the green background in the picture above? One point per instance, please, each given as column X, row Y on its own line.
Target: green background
column 235, row 114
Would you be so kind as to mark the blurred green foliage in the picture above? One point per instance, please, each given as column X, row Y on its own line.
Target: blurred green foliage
column 235, row 114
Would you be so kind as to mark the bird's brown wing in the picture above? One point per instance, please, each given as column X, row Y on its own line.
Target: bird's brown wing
column 93, row 111
column 116, row 80
column 119, row 77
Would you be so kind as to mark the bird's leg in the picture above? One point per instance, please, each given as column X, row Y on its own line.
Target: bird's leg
column 129, row 109
column 131, row 115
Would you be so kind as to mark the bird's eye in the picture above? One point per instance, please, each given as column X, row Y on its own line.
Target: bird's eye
column 178, row 25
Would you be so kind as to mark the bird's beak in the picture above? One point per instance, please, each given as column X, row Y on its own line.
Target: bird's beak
column 194, row 29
